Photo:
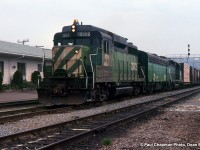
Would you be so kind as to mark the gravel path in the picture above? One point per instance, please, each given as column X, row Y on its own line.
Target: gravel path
column 177, row 128
column 44, row 120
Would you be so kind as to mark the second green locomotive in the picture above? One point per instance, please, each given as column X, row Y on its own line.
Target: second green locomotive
column 93, row 64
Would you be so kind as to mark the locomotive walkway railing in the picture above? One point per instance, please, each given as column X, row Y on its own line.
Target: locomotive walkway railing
column 86, row 82
column 93, row 66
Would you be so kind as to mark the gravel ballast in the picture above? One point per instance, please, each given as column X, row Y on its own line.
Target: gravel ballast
column 176, row 128
column 45, row 120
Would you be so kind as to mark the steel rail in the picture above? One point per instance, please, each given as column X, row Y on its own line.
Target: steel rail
column 55, row 135
column 62, row 144
column 19, row 103
column 15, row 115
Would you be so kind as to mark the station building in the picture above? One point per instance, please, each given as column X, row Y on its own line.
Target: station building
column 24, row 58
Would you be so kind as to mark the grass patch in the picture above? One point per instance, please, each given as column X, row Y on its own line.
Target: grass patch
column 107, row 141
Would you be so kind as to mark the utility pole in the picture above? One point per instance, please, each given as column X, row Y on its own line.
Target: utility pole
column 23, row 41
column 43, row 60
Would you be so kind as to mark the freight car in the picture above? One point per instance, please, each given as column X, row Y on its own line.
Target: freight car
column 185, row 69
column 93, row 64
column 194, row 75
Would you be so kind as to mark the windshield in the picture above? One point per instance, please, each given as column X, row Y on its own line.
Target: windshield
column 77, row 41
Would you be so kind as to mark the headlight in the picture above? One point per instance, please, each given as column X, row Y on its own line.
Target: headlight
column 73, row 30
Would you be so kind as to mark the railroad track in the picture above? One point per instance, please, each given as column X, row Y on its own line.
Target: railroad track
column 65, row 135
column 19, row 103
column 18, row 114
column 13, row 112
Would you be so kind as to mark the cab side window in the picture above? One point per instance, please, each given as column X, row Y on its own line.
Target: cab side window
column 106, row 47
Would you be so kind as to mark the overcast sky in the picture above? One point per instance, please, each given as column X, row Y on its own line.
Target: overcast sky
column 157, row 26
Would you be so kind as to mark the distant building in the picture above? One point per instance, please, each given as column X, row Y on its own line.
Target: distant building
column 193, row 60
column 26, row 59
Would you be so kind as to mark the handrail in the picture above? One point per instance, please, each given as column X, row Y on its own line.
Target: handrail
column 170, row 77
column 143, row 74
column 86, row 84
column 92, row 66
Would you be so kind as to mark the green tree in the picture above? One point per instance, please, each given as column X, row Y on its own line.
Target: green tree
column 18, row 79
column 34, row 77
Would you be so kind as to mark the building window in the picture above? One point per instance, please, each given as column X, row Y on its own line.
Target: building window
column 22, row 68
column 40, row 67
column 2, row 67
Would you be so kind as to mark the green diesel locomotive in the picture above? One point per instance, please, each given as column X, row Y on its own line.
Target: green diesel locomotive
column 93, row 64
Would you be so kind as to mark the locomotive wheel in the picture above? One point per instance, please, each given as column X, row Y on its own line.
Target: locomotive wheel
column 150, row 89
column 136, row 91
column 111, row 92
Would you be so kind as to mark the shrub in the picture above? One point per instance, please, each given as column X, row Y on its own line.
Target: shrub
column 34, row 77
column 1, row 81
column 107, row 141
column 31, row 85
column 7, row 87
column 17, row 80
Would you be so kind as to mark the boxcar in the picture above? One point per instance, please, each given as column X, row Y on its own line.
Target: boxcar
column 194, row 76
column 185, row 69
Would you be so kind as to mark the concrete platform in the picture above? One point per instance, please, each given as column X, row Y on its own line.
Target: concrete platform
column 14, row 96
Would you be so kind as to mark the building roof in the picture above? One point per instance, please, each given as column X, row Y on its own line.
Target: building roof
column 19, row 49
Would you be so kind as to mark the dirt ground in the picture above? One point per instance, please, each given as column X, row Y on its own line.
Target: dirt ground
column 176, row 128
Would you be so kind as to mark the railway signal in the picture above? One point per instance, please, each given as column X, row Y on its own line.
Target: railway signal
column 188, row 50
